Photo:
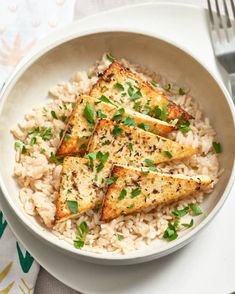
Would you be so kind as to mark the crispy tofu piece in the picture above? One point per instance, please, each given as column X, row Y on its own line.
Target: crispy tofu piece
column 135, row 190
column 132, row 146
column 79, row 183
column 79, row 130
column 128, row 90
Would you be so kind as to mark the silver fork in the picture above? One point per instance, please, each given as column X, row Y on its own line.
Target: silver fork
column 222, row 30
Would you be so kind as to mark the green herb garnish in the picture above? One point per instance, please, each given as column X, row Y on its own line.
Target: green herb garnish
column 100, row 114
column 131, row 206
column 189, row 225
column 149, row 162
column 106, row 100
column 196, row 209
column 110, row 57
column 117, row 130
column 89, row 113
column 122, row 194
column 73, row 205
column 135, row 192
column 82, row 231
column 17, row 145
column 53, row 114
column 164, row 113
column 130, row 146
column 180, row 212
column 137, row 106
column 23, row 150
column 128, row 121
column 120, row 237
column 170, row 233
column 118, row 114
column 111, row 180
column 106, row 142
column 217, row 147
column 144, row 126
column 33, row 141
column 167, row 154
column 119, row 87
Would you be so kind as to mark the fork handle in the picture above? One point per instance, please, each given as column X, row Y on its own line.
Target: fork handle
column 232, row 87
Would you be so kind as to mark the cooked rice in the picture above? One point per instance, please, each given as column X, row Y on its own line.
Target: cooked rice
column 39, row 179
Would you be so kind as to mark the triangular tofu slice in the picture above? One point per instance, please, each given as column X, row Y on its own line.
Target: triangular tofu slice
column 81, row 187
column 127, row 89
column 87, row 111
column 133, row 146
column 135, row 190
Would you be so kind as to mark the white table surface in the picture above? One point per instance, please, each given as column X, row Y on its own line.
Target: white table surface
column 211, row 252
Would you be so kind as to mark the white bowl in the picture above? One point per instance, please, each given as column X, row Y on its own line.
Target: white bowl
column 56, row 62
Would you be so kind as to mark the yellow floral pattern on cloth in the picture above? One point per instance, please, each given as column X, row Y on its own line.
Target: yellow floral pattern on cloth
column 22, row 24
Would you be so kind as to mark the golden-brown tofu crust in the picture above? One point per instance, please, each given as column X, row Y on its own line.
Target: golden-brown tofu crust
column 153, row 188
column 117, row 73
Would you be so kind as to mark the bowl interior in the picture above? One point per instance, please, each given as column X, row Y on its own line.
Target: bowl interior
column 30, row 87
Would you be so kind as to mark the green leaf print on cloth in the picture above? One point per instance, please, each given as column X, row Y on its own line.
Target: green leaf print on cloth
column 3, row 224
column 25, row 261
column 3, row 275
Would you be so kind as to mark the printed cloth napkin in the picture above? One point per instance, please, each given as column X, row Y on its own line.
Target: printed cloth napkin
column 22, row 23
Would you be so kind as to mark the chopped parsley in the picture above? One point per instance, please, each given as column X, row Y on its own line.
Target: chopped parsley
column 100, row 114
column 135, row 192
column 17, row 145
column 118, row 114
column 170, row 233
column 144, row 126
column 153, row 84
column 182, row 91
column 53, row 158
column 63, row 118
column 130, row 146
column 45, row 133
column 72, row 205
column 180, row 212
column 149, row 162
column 131, row 92
column 106, row 100
column 67, row 137
column 106, row 142
column 111, row 180
column 183, row 124
column 189, row 225
column 163, row 115
column 117, row 130
column 137, row 106
column 88, row 113
column 119, row 87
column 128, row 121
column 33, row 141
column 43, row 151
column 110, row 57
column 53, row 114
column 131, row 206
column 184, row 128
column 120, row 237
column 217, row 147
column 196, row 209
column 167, row 154
column 61, row 134
column 82, row 231
column 122, row 194
column 91, row 156
column 23, row 150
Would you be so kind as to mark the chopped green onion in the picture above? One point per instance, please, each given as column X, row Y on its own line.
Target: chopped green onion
column 111, row 180
column 53, row 114
column 189, row 225
column 119, row 87
column 117, row 130
column 110, row 57
column 196, row 209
